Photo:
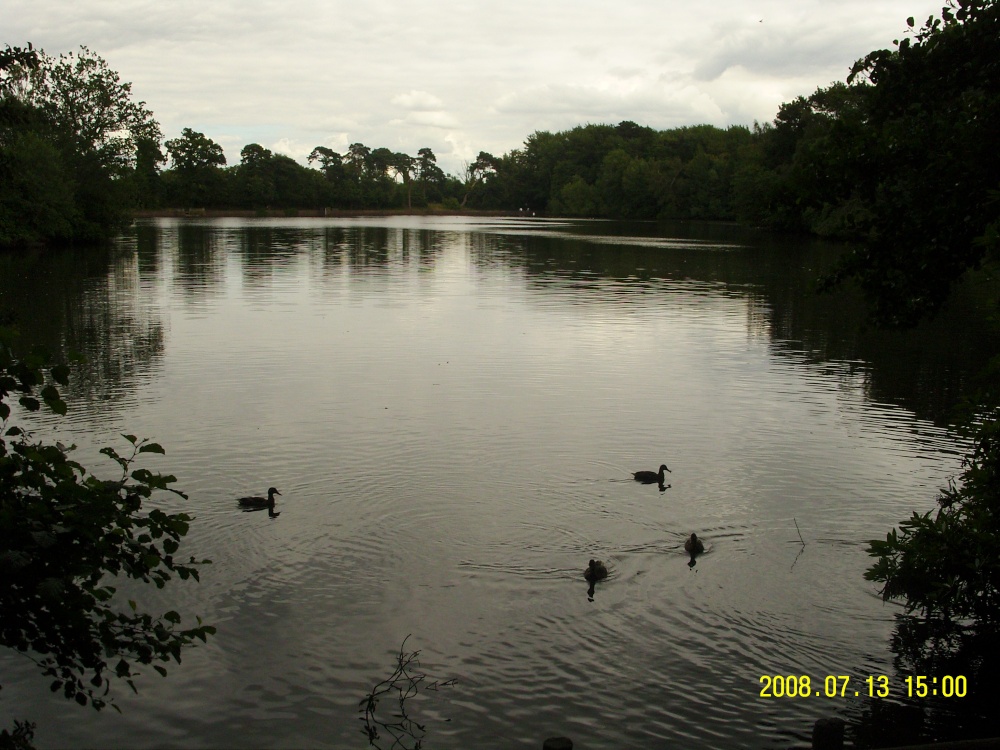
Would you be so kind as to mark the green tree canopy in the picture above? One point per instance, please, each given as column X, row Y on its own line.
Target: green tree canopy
column 428, row 170
column 404, row 167
column 329, row 160
column 75, row 119
column 194, row 151
column 358, row 157
column 196, row 178
column 930, row 165
column 87, row 105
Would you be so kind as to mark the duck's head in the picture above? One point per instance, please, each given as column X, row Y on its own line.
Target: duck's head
column 273, row 491
column 663, row 467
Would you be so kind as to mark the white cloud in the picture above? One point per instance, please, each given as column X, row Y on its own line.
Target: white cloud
column 659, row 103
column 418, row 100
column 426, row 119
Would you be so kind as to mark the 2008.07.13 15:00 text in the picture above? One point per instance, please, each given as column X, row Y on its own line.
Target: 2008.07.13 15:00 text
column 875, row 686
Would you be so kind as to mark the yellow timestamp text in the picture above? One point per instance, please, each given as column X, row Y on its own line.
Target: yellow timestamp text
column 873, row 686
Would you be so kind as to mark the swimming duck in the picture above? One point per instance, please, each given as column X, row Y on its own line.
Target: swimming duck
column 694, row 546
column 260, row 502
column 595, row 571
column 648, row 477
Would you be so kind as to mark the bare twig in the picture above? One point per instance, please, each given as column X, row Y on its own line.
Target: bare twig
column 802, row 549
column 405, row 683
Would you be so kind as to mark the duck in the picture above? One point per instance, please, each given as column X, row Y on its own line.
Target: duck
column 595, row 571
column 260, row 502
column 648, row 477
column 693, row 545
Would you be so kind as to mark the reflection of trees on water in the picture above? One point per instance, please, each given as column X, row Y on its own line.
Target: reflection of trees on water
column 193, row 256
column 199, row 267
column 202, row 250
column 932, row 648
column 927, row 370
column 380, row 247
column 99, row 303
column 92, row 303
column 118, row 331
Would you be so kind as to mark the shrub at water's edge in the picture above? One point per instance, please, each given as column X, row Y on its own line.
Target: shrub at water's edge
column 937, row 216
column 67, row 538
column 946, row 563
column 930, row 173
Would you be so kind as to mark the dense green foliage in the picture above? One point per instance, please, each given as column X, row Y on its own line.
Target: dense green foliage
column 70, row 135
column 929, row 153
column 69, row 540
column 930, row 172
column 944, row 567
column 797, row 176
column 948, row 562
column 624, row 171
column 945, row 564
column 362, row 178
column 619, row 171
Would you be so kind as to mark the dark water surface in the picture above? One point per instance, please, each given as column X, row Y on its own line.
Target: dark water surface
column 452, row 409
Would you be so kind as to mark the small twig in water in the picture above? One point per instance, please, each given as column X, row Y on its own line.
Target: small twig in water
column 406, row 684
column 803, row 549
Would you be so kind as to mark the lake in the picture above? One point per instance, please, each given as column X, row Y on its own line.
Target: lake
column 452, row 409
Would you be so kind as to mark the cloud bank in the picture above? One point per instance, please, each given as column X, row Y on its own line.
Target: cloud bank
column 460, row 76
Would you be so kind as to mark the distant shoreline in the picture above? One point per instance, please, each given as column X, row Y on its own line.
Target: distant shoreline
column 312, row 212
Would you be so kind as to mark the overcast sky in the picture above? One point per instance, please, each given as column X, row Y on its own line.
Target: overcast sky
column 460, row 76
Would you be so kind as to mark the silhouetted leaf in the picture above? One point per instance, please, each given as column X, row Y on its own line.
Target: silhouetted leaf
column 60, row 374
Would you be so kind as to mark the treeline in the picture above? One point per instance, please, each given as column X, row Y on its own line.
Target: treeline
column 619, row 171
column 622, row 171
column 78, row 156
column 362, row 178
column 777, row 175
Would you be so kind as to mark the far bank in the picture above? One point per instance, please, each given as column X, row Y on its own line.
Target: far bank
column 318, row 212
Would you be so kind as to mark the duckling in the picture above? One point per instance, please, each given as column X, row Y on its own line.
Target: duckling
column 694, row 546
column 649, row 477
column 260, row 502
column 595, row 571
